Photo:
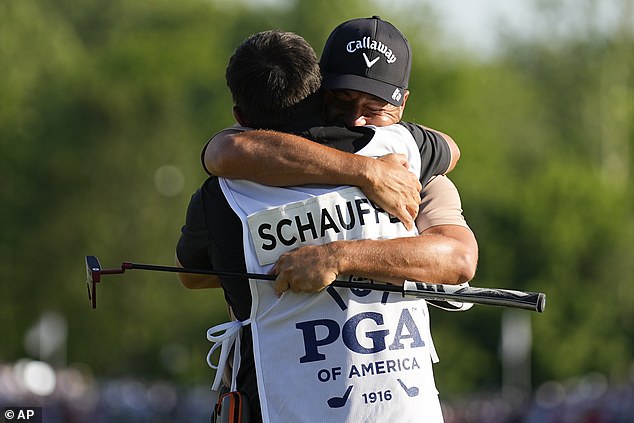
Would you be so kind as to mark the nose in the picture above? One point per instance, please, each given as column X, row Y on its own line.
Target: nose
column 355, row 116
column 356, row 121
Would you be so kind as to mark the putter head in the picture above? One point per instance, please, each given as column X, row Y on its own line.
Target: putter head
column 93, row 277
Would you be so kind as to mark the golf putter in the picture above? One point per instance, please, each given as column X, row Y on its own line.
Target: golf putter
column 93, row 276
column 459, row 297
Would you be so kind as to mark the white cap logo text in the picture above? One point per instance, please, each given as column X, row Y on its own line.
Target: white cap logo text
column 370, row 44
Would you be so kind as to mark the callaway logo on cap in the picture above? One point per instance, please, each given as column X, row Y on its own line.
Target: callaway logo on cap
column 368, row 55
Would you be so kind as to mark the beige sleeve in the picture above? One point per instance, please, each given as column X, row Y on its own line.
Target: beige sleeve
column 440, row 205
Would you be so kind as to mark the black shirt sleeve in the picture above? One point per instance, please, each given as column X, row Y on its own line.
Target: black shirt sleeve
column 348, row 139
column 192, row 249
column 212, row 239
column 434, row 151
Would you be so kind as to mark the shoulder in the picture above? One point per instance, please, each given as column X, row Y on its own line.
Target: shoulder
column 422, row 134
column 394, row 132
column 340, row 137
column 208, row 190
column 416, row 131
column 223, row 134
column 232, row 130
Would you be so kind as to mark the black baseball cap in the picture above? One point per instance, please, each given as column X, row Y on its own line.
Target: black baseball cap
column 368, row 55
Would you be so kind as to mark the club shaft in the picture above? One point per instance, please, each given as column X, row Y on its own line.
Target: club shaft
column 533, row 301
column 95, row 266
column 174, row 269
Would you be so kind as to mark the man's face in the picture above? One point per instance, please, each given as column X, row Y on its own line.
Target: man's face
column 354, row 108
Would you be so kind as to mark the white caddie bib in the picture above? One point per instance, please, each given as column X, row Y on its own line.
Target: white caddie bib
column 340, row 214
column 341, row 355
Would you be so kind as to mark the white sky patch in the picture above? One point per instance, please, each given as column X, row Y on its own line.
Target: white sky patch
column 477, row 25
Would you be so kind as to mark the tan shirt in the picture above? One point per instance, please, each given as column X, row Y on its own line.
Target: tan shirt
column 441, row 205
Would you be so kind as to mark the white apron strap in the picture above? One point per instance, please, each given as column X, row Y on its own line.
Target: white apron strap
column 225, row 336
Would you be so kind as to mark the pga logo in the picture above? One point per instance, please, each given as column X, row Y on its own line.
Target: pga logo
column 322, row 332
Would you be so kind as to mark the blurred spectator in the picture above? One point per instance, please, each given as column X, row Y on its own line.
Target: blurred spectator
column 76, row 397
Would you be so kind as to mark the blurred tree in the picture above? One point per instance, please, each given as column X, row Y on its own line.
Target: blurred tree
column 108, row 107
column 548, row 131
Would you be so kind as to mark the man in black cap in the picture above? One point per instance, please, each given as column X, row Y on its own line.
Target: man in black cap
column 385, row 69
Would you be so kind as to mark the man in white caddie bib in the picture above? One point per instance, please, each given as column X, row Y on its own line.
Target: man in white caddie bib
column 340, row 355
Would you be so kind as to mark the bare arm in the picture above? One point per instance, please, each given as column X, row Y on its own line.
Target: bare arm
column 296, row 160
column 278, row 159
column 192, row 281
column 442, row 254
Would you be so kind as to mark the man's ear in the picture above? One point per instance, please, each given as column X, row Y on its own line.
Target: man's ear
column 405, row 97
column 402, row 106
column 238, row 115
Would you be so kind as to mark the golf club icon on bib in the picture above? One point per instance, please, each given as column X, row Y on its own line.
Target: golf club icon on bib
column 410, row 391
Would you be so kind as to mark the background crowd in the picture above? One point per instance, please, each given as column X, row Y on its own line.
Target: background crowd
column 77, row 397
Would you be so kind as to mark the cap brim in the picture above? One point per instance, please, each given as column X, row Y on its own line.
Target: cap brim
column 388, row 92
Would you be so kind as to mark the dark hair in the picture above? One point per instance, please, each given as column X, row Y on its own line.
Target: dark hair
column 269, row 75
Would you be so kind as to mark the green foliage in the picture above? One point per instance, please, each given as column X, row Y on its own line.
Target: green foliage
column 104, row 109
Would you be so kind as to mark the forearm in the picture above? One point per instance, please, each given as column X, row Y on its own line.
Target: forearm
column 279, row 159
column 432, row 258
column 198, row 281
column 193, row 281
column 444, row 254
